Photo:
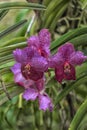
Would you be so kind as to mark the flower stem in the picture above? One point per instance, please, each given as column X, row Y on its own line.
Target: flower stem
column 4, row 88
column 70, row 102
column 20, row 101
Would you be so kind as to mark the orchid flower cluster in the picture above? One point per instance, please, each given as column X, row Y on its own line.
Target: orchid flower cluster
column 33, row 61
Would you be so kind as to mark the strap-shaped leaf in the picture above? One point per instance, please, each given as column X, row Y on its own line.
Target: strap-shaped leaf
column 68, row 36
column 57, row 13
column 82, row 111
column 12, row 89
column 16, row 41
column 21, row 5
column 12, row 28
column 3, row 13
column 79, row 40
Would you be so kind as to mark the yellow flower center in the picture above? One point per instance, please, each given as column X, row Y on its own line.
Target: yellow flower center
column 67, row 68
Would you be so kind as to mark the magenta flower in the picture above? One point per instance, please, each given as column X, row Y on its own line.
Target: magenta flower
column 33, row 89
column 65, row 60
column 32, row 65
column 36, row 91
column 41, row 42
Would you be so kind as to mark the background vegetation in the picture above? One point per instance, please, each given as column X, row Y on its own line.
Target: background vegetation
column 67, row 21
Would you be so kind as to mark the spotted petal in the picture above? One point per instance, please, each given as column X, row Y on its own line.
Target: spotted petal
column 71, row 75
column 39, row 64
column 33, row 41
column 56, row 60
column 59, row 73
column 16, row 68
column 66, row 50
column 40, row 84
column 45, row 102
column 77, row 58
column 30, row 94
column 18, row 78
column 45, row 37
column 24, row 55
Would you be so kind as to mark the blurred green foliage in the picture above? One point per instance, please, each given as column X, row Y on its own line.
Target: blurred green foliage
column 67, row 21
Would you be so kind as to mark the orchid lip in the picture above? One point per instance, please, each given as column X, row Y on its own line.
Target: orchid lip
column 25, row 69
column 67, row 68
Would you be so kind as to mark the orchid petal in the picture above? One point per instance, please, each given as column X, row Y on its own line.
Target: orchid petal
column 16, row 68
column 45, row 102
column 30, row 94
column 77, row 58
column 39, row 64
column 71, row 75
column 59, row 73
column 45, row 37
column 56, row 60
column 33, row 41
column 66, row 50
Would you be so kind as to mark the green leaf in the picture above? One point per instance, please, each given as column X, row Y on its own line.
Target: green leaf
column 58, row 15
column 51, row 7
column 68, row 36
column 3, row 13
column 79, row 116
column 8, row 50
column 13, row 41
column 21, row 5
column 57, row 12
column 12, row 28
column 12, row 89
column 79, row 40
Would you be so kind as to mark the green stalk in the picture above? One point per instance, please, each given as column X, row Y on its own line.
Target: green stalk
column 79, row 116
column 12, row 28
column 14, row 41
column 21, row 5
column 52, row 15
column 3, row 13
column 68, row 36
column 61, row 11
column 52, row 5
column 80, row 40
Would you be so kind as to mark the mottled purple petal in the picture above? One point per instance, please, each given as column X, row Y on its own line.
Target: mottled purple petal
column 71, row 75
column 30, row 94
column 45, row 51
column 28, row 83
column 18, row 78
column 25, row 55
column 56, row 60
column 33, row 41
column 45, row 102
column 18, row 55
column 77, row 58
column 29, row 53
column 16, row 68
column 45, row 37
column 40, row 84
column 59, row 73
column 39, row 64
column 66, row 50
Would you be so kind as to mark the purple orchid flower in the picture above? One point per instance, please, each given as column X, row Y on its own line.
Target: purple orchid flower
column 41, row 42
column 64, row 62
column 32, row 65
column 33, row 89
column 36, row 91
